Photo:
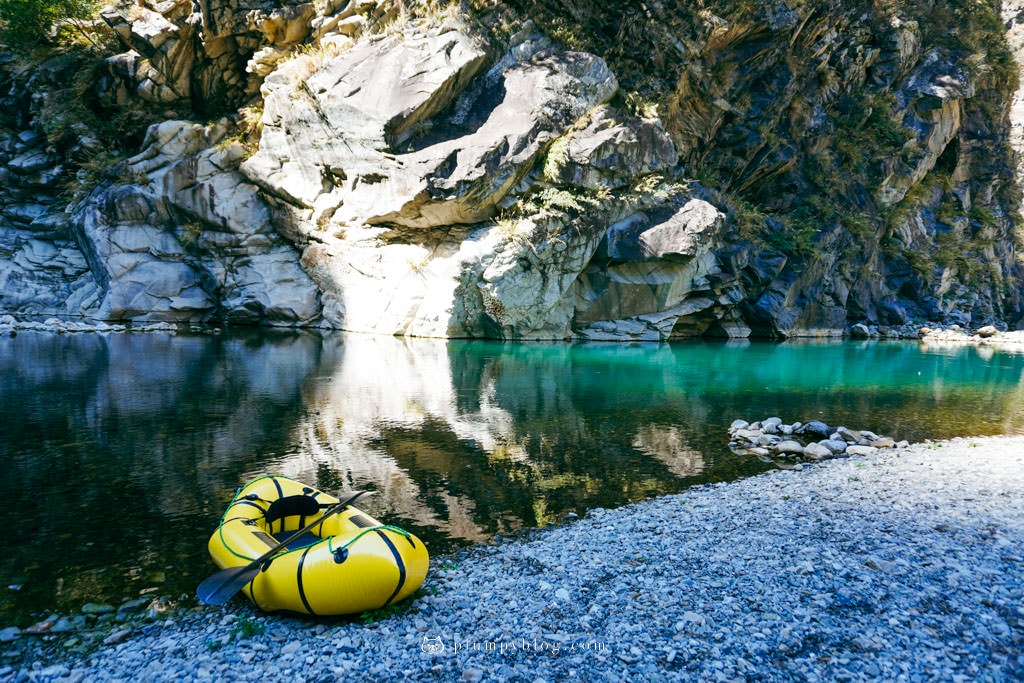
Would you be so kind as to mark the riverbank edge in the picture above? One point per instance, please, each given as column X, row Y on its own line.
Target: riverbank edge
column 926, row 333
column 453, row 592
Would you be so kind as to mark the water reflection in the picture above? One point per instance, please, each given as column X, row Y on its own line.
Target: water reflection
column 472, row 439
column 120, row 452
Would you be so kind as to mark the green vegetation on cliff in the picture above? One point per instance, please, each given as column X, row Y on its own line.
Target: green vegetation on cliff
column 24, row 22
column 879, row 126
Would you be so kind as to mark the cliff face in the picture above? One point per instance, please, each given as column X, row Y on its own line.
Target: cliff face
column 529, row 170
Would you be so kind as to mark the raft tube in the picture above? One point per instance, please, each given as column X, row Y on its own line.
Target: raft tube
column 350, row 563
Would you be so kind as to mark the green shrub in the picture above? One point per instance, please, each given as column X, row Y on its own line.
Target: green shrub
column 30, row 21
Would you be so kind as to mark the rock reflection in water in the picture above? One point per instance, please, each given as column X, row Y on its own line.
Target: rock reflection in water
column 472, row 440
column 669, row 445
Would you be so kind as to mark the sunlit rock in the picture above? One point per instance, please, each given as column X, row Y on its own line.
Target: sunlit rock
column 190, row 241
column 612, row 150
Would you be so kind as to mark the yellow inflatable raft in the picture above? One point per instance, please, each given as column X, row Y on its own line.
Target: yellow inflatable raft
column 349, row 563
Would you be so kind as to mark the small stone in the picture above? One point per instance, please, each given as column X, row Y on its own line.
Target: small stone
column 847, row 435
column 53, row 672
column 690, row 621
column 96, row 608
column 861, row 450
column 771, row 425
column 860, row 331
column 768, row 440
column 117, row 636
column 815, row 451
column 987, row 331
column 789, row 447
column 738, row 424
column 9, row 634
column 44, row 626
column 802, row 568
column 67, row 625
column 133, row 606
column 886, row 566
column 834, row 445
column 883, row 442
column 815, row 428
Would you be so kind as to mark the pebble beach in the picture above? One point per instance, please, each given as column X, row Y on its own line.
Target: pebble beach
column 902, row 565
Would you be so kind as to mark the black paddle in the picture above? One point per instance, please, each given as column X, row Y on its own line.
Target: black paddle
column 219, row 588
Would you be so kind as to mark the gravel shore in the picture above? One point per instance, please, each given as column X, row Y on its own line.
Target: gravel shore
column 905, row 565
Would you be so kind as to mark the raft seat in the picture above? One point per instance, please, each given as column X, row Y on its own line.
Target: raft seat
column 308, row 538
column 301, row 505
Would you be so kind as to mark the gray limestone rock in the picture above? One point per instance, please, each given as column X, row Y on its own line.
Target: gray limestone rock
column 611, row 151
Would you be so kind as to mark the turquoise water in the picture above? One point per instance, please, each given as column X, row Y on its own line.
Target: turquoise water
column 119, row 452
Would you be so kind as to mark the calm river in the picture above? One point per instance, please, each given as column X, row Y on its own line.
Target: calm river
column 119, row 452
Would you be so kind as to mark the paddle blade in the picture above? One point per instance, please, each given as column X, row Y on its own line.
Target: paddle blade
column 222, row 586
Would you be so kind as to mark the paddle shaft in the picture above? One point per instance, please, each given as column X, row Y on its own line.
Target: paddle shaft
column 220, row 587
column 337, row 507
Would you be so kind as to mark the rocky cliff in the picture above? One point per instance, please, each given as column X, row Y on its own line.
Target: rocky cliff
column 527, row 169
